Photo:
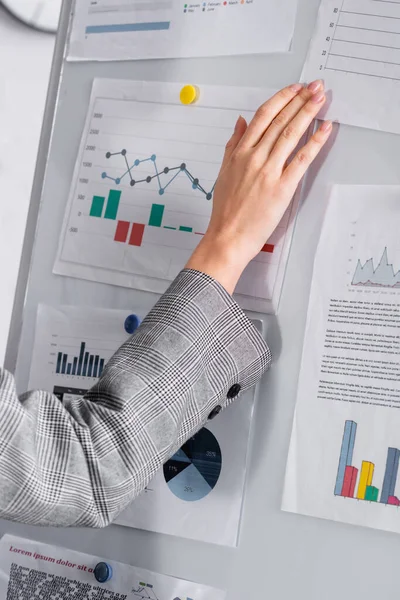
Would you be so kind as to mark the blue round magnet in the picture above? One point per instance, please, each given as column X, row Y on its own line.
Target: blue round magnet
column 103, row 572
column 131, row 323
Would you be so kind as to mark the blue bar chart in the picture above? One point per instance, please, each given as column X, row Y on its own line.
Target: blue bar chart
column 74, row 345
column 84, row 365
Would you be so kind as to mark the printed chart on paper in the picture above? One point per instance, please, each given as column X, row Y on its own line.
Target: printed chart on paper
column 348, row 404
column 203, row 481
column 356, row 50
column 73, row 345
column 349, row 475
column 142, row 198
column 122, row 30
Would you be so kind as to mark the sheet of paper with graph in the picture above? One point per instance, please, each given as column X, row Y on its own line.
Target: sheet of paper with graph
column 142, row 191
column 356, row 50
column 204, row 481
column 345, row 449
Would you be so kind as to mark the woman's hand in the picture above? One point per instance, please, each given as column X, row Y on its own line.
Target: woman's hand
column 256, row 183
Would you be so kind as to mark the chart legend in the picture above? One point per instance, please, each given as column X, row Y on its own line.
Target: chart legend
column 145, row 591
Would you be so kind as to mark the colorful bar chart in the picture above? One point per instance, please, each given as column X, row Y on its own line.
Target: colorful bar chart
column 135, row 238
column 84, row 365
column 347, row 474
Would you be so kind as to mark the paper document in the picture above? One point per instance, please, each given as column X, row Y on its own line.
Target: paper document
column 345, row 449
column 31, row 570
column 204, row 481
column 141, row 195
column 137, row 29
column 356, row 50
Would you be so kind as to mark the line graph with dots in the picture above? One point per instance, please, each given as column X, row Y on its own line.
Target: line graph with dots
column 158, row 175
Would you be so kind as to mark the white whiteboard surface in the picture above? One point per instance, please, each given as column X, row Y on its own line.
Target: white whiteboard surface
column 280, row 556
column 28, row 68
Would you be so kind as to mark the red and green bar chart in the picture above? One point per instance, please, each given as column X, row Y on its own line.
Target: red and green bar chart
column 358, row 481
column 131, row 232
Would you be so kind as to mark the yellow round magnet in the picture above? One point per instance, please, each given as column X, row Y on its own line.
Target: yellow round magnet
column 189, row 94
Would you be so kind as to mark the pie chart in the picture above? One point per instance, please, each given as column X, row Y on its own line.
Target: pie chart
column 193, row 472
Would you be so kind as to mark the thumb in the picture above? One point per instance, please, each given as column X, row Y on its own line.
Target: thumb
column 240, row 130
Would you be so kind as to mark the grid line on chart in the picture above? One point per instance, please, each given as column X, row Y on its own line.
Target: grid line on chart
column 351, row 12
column 164, row 139
column 385, row 62
column 179, row 123
column 366, row 44
column 361, row 29
column 358, row 73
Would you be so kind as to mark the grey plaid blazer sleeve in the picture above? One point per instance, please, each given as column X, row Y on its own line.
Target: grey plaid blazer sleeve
column 82, row 462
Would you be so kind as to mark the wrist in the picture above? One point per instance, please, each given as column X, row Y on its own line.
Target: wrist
column 218, row 258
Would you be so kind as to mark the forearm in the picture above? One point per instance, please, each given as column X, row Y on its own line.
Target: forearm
column 83, row 462
column 217, row 257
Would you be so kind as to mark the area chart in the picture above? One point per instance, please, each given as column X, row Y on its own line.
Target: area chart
column 383, row 276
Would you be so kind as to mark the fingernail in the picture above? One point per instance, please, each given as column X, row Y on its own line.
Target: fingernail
column 296, row 87
column 237, row 123
column 317, row 98
column 326, row 126
column 314, row 86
